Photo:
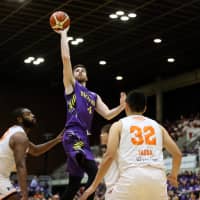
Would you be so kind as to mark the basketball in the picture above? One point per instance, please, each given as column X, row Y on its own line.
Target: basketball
column 59, row 20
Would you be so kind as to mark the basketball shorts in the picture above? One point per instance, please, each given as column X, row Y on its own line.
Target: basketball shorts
column 143, row 183
column 76, row 142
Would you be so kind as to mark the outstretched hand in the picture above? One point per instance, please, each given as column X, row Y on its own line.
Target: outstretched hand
column 62, row 31
column 122, row 98
column 60, row 135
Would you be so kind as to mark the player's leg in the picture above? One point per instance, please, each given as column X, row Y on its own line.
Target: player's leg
column 90, row 167
column 72, row 188
column 73, row 168
column 75, row 177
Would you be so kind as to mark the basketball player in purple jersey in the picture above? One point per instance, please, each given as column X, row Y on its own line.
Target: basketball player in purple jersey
column 80, row 104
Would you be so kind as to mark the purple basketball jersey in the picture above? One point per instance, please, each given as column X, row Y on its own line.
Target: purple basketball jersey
column 80, row 107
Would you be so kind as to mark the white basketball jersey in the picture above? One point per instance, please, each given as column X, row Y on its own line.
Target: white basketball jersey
column 6, row 154
column 141, row 143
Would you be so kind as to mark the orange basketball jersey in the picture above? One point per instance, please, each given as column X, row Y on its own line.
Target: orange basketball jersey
column 141, row 143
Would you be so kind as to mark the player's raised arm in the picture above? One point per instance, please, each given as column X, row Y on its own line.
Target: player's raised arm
column 60, row 23
column 68, row 78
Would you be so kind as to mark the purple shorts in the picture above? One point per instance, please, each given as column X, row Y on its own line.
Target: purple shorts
column 76, row 142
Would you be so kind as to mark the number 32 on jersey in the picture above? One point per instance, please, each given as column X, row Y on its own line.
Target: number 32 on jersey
column 145, row 135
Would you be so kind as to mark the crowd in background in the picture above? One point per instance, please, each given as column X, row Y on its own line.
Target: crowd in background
column 185, row 126
column 188, row 189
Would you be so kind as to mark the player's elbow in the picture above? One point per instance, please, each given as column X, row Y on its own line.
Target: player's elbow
column 109, row 156
column 34, row 152
column 65, row 58
column 108, row 116
column 177, row 155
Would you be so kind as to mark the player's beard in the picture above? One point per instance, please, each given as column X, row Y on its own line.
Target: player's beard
column 82, row 80
column 29, row 124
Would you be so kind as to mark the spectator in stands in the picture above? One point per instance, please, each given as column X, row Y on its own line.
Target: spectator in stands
column 189, row 182
column 33, row 185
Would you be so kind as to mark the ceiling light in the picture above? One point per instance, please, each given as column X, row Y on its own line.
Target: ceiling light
column 132, row 15
column 41, row 60
column 119, row 13
column 27, row 61
column 74, row 42
column 157, row 40
column 124, row 18
column 119, row 78
column 36, row 62
column 113, row 16
column 79, row 39
column 31, row 58
column 170, row 60
column 102, row 62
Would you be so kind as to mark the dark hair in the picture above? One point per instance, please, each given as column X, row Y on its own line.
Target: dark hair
column 18, row 112
column 106, row 128
column 79, row 65
column 136, row 101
